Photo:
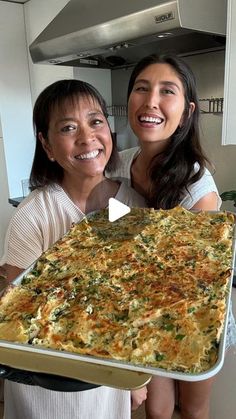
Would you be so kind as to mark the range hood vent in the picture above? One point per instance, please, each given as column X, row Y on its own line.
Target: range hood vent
column 105, row 34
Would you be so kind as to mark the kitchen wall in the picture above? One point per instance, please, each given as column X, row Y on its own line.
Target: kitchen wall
column 38, row 14
column 16, row 142
column 15, row 97
column 209, row 71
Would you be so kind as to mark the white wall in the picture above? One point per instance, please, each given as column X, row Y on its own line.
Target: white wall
column 16, row 142
column 38, row 14
column 209, row 72
column 15, row 97
column 100, row 78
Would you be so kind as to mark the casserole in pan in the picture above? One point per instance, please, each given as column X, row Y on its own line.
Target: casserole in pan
column 114, row 303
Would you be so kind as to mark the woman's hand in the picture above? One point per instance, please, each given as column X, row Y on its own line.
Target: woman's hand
column 12, row 272
column 138, row 397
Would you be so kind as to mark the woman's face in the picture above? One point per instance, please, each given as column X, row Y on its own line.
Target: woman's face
column 156, row 103
column 79, row 138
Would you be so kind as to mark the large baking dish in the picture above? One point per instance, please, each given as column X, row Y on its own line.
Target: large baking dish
column 98, row 370
column 86, row 369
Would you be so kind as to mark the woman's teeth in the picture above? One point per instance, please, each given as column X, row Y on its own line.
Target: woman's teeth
column 90, row 155
column 150, row 119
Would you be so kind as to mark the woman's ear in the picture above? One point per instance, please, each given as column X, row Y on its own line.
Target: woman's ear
column 190, row 112
column 46, row 146
column 191, row 108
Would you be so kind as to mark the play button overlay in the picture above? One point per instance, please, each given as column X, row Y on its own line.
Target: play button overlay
column 116, row 209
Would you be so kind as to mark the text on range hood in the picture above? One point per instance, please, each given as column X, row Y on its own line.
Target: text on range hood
column 103, row 34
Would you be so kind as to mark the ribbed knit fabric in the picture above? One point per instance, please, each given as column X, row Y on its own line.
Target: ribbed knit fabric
column 29, row 402
column 43, row 217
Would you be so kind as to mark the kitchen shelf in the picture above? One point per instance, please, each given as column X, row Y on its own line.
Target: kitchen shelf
column 207, row 106
column 117, row 110
column 212, row 105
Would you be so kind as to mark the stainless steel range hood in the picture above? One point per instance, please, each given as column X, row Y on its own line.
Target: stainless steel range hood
column 116, row 34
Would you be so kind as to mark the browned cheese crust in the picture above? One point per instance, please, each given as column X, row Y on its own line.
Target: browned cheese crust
column 148, row 289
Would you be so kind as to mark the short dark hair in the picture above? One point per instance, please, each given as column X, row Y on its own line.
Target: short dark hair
column 56, row 95
column 173, row 171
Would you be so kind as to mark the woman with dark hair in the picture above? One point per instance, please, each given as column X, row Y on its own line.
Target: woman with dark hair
column 165, row 119
column 56, row 97
column 74, row 145
column 169, row 169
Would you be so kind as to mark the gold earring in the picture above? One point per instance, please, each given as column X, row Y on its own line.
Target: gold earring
column 52, row 159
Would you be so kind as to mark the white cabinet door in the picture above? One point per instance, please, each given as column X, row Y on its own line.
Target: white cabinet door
column 229, row 119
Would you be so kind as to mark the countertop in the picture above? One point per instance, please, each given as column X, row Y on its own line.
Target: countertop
column 15, row 201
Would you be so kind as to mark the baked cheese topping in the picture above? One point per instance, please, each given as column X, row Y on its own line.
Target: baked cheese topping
column 148, row 289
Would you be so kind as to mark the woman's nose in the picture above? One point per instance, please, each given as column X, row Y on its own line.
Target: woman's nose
column 85, row 135
column 152, row 100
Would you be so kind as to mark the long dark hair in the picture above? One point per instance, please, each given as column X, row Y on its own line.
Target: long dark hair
column 45, row 172
column 173, row 171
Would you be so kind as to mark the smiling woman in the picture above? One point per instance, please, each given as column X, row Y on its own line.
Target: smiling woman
column 74, row 146
column 79, row 141
column 169, row 169
column 156, row 104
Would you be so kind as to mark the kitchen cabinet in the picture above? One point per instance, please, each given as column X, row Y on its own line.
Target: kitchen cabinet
column 229, row 120
column 6, row 210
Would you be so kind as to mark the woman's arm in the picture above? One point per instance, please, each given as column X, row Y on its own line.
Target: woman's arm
column 208, row 202
column 12, row 272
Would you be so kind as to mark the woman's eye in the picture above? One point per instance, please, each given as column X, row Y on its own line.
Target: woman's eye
column 97, row 121
column 68, row 128
column 140, row 89
column 168, row 91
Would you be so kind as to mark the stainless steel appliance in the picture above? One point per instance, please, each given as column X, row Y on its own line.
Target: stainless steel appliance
column 105, row 34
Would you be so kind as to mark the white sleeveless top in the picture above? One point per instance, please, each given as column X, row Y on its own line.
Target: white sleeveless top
column 196, row 191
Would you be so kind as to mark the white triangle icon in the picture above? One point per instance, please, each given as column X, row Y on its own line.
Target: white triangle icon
column 116, row 209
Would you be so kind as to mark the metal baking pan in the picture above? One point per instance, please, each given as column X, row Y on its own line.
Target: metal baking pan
column 99, row 371
column 54, row 368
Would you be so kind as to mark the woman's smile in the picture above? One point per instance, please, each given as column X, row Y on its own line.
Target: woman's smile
column 148, row 120
column 156, row 103
column 89, row 155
